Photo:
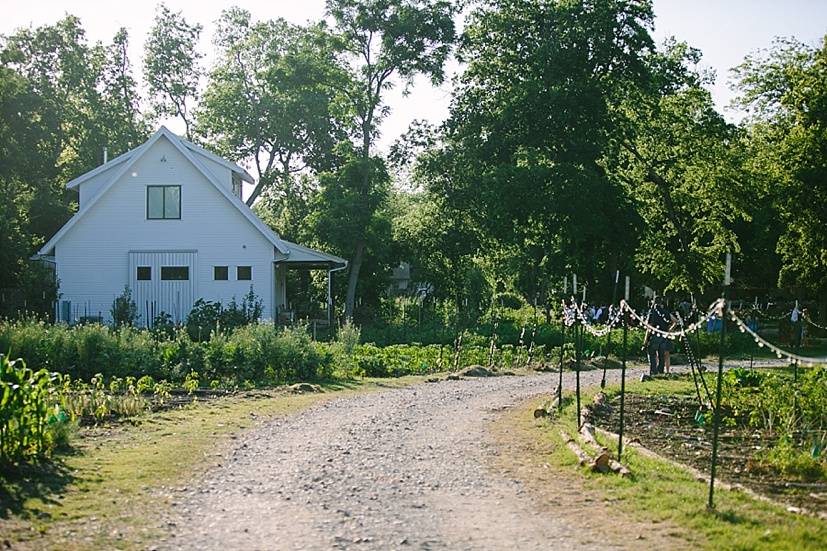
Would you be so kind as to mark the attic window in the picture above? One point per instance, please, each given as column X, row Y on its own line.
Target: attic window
column 163, row 202
column 244, row 273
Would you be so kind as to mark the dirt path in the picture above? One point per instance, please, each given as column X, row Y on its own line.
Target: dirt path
column 414, row 468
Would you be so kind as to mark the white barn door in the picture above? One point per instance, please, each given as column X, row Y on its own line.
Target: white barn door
column 163, row 281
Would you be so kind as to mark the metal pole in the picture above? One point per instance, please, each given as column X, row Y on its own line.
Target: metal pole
column 562, row 346
column 717, row 416
column 623, row 372
column 578, row 337
column 623, row 384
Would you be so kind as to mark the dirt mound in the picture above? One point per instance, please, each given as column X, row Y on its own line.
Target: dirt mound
column 476, row 371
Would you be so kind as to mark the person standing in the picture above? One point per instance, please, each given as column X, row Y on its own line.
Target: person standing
column 795, row 321
column 660, row 319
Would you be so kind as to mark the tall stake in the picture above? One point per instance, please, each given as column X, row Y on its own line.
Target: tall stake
column 578, row 337
column 717, row 417
column 562, row 346
column 625, row 314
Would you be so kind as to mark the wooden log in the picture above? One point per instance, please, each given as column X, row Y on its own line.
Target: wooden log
column 587, row 436
column 547, row 407
column 600, row 463
column 543, row 409
column 620, row 468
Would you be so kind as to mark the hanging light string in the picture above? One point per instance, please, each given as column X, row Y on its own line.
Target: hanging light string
column 610, row 323
column 568, row 316
column 744, row 328
column 808, row 321
column 714, row 309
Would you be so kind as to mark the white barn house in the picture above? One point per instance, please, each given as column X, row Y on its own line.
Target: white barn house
column 167, row 220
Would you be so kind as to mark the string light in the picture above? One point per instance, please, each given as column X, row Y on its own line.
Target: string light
column 779, row 352
column 716, row 309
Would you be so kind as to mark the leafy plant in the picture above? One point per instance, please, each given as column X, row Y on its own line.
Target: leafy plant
column 27, row 400
column 124, row 310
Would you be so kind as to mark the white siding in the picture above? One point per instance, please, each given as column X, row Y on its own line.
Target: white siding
column 157, row 295
column 87, row 190
column 93, row 257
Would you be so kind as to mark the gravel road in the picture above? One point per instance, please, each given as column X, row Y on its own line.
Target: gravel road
column 408, row 468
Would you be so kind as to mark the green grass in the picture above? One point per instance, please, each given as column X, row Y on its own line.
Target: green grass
column 660, row 491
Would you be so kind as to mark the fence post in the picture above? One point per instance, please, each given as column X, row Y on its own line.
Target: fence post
column 717, row 415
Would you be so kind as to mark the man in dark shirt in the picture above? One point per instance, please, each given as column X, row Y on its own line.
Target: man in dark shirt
column 659, row 318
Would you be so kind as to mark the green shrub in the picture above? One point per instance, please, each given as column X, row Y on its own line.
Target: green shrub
column 124, row 310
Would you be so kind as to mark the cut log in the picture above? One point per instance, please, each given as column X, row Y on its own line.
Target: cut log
column 543, row 409
column 620, row 468
column 600, row 463
column 587, row 436
column 547, row 408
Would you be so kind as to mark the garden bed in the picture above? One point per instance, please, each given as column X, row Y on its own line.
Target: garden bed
column 667, row 425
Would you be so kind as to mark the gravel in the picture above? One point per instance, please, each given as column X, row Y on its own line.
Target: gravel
column 408, row 468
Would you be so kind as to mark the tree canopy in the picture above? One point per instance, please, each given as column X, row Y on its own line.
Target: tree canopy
column 574, row 143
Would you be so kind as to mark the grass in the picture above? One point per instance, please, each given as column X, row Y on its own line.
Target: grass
column 107, row 492
column 660, row 492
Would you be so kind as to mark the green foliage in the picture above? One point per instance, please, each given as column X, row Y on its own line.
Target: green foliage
column 785, row 95
column 171, row 67
column 271, row 101
column 27, row 401
column 207, row 317
column 124, row 310
column 348, row 336
column 774, row 402
column 791, row 461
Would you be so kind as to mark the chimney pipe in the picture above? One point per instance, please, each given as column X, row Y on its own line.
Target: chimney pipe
column 105, row 154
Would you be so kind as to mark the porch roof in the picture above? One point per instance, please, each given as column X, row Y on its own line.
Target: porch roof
column 300, row 257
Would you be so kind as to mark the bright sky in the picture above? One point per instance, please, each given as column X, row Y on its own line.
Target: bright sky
column 724, row 30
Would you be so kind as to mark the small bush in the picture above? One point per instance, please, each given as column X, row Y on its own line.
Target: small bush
column 124, row 310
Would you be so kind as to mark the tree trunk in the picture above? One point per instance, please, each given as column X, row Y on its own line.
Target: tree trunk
column 355, row 266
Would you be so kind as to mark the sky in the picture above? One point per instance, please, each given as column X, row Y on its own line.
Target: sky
column 724, row 30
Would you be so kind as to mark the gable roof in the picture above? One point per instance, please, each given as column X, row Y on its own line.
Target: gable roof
column 120, row 165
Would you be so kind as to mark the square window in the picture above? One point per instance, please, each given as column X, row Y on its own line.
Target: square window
column 244, row 273
column 163, row 202
column 175, row 273
column 221, row 273
column 144, row 273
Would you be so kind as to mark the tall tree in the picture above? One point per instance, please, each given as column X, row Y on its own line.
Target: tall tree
column 122, row 121
column 61, row 73
column 58, row 113
column 682, row 165
column 784, row 92
column 271, row 100
column 530, row 123
column 385, row 39
column 171, row 66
